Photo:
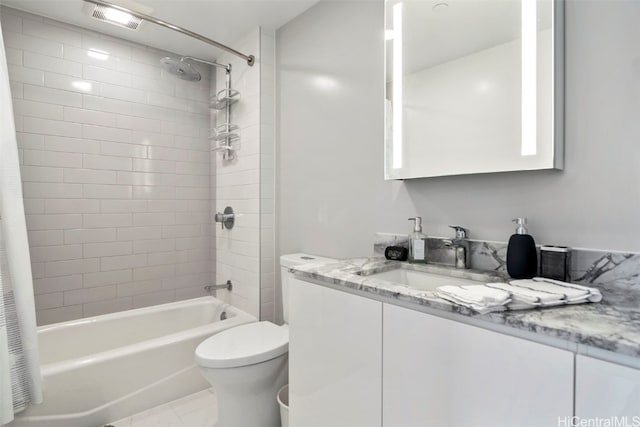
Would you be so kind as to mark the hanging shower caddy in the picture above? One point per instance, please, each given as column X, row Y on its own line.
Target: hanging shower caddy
column 226, row 136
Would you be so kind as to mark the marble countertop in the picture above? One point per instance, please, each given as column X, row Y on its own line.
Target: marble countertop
column 612, row 324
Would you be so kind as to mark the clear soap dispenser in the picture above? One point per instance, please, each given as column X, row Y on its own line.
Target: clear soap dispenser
column 417, row 242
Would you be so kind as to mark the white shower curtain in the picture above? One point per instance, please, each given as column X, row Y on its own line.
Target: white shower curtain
column 20, row 381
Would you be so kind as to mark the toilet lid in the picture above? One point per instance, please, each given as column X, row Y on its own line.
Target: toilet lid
column 243, row 345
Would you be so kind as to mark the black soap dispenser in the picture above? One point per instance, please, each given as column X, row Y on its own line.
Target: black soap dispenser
column 522, row 258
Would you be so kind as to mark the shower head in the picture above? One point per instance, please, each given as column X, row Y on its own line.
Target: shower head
column 181, row 69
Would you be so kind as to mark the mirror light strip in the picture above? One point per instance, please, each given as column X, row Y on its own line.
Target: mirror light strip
column 529, row 77
column 397, row 86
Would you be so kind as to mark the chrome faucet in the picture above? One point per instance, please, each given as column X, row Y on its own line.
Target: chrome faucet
column 460, row 246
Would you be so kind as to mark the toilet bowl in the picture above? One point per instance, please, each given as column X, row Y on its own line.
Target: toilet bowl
column 245, row 367
column 248, row 364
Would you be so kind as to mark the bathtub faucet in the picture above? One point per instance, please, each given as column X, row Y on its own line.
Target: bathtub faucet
column 210, row 288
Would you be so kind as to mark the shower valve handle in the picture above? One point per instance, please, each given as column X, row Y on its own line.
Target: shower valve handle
column 226, row 219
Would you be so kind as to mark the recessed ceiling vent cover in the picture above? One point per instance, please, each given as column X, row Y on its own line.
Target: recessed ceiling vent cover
column 116, row 16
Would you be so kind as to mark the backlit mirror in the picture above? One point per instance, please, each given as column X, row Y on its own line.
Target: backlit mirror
column 473, row 86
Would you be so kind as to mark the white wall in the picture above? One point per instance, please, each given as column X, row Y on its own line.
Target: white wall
column 115, row 170
column 332, row 196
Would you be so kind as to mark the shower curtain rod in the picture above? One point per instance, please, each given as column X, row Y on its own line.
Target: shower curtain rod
column 249, row 58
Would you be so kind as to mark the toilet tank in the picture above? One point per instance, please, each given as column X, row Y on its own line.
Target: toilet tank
column 293, row 260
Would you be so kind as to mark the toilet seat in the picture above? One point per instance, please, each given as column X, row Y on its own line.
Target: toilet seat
column 243, row 345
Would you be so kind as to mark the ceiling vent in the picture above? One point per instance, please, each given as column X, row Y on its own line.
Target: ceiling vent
column 118, row 17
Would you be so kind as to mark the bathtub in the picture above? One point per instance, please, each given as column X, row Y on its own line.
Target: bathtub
column 104, row 368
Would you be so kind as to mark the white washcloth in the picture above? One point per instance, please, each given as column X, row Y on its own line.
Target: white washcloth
column 480, row 298
column 547, row 291
column 524, row 292
column 518, row 294
column 551, row 292
column 592, row 294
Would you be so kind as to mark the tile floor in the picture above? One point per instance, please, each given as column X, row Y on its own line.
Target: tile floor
column 197, row 410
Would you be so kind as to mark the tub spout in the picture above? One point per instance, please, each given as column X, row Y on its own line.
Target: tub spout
column 210, row 288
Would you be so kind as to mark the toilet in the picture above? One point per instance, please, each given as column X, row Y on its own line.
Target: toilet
column 248, row 364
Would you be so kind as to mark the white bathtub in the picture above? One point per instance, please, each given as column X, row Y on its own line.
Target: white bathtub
column 100, row 369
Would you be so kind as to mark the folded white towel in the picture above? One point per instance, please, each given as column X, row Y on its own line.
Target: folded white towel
column 548, row 292
column 518, row 294
column 477, row 294
column 591, row 294
column 480, row 298
column 482, row 309
column 525, row 294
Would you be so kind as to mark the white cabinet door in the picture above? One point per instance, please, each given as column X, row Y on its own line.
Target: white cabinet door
column 438, row 372
column 335, row 358
column 605, row 390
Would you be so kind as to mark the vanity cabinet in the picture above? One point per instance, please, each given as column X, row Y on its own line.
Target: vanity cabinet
column 438, row 372
column 335, row 358
column 355, row 361
column 605, row 390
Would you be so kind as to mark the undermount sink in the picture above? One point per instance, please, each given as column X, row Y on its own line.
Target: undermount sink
column 421, row 280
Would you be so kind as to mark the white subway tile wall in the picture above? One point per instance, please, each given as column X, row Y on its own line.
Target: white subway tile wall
column 237, row 183
column 115, row 168
column 267, row 174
